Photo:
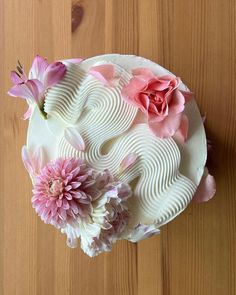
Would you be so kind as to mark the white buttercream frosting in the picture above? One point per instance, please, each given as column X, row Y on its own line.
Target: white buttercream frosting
column 167, row 172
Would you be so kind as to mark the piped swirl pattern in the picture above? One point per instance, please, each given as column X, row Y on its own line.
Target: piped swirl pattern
column 107, row 125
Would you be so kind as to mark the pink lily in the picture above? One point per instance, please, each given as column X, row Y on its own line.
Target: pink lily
column 42, row 76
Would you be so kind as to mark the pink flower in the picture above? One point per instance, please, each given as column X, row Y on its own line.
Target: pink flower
column 206, row 188
column 160, row 99
column 63, row 192
column 33, row 161
column 104, row 73
column 42, row 76
column 111, row 214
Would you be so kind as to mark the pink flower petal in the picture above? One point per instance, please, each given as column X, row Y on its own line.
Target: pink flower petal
column 104, row 73
column 204, row 119
column 182, row 133
column 33, row 162
column 144, row 102
column 31, row 90
column 158, row 85
column 38, row 159
column 37, row 89
column 73, row 136
column 38, row 68
column 177, row 102
column 145, row 72
column 26, row 160
column 206, row 189
column 21, row 90
column 28, row 113
column 54, row 73
column 74, row 60
column 128, row 161
column 187, row 95
column 135, row 86
column 167, row 127
column 15, row 78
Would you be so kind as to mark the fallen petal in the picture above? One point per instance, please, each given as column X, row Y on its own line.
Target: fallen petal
column 206, row 189
column 26, row 160
column 128, row 161
column 104, row 73
column 38, row 159
column 73, row 136
column 74, row 60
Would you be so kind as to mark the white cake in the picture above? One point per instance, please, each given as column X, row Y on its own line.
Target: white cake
column 167, row 171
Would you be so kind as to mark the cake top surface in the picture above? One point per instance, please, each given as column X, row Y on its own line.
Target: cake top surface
column 138, row 138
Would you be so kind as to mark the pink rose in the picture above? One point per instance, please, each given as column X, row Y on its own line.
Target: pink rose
column 161, row 100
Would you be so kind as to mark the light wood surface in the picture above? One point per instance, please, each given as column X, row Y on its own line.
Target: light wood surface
column 195, row 254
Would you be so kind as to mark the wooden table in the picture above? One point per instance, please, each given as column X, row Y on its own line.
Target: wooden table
column 195, row 253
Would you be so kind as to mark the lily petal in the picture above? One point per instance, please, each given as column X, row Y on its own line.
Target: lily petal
column 74, row 60
column 21, row 90
column 31, row 90
column 15, row 78
column 182, row 132
column 38, row 68
column 33, row 162
column 104, row 73
column 206, row 188
column 128, row 161
column 54, row 73
column 73, row 136
column 38, row 159
column 28, row 113
column 26, row 160
column 37, row 89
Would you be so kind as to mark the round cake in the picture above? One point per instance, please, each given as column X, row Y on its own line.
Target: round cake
column 116, row 147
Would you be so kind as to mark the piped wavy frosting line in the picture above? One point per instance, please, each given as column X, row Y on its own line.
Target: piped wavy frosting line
column 104, row 119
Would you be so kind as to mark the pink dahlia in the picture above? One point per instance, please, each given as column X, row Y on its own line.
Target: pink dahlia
column 63, row 192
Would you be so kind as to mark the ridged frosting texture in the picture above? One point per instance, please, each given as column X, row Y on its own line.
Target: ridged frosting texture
column 111, row 129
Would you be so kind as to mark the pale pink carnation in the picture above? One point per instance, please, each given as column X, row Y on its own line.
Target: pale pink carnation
column 112, row 215
column 63, row 192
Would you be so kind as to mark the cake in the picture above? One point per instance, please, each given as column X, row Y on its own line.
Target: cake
column 115, row 149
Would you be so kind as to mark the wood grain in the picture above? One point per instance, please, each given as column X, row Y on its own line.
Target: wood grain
column 195, row 254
